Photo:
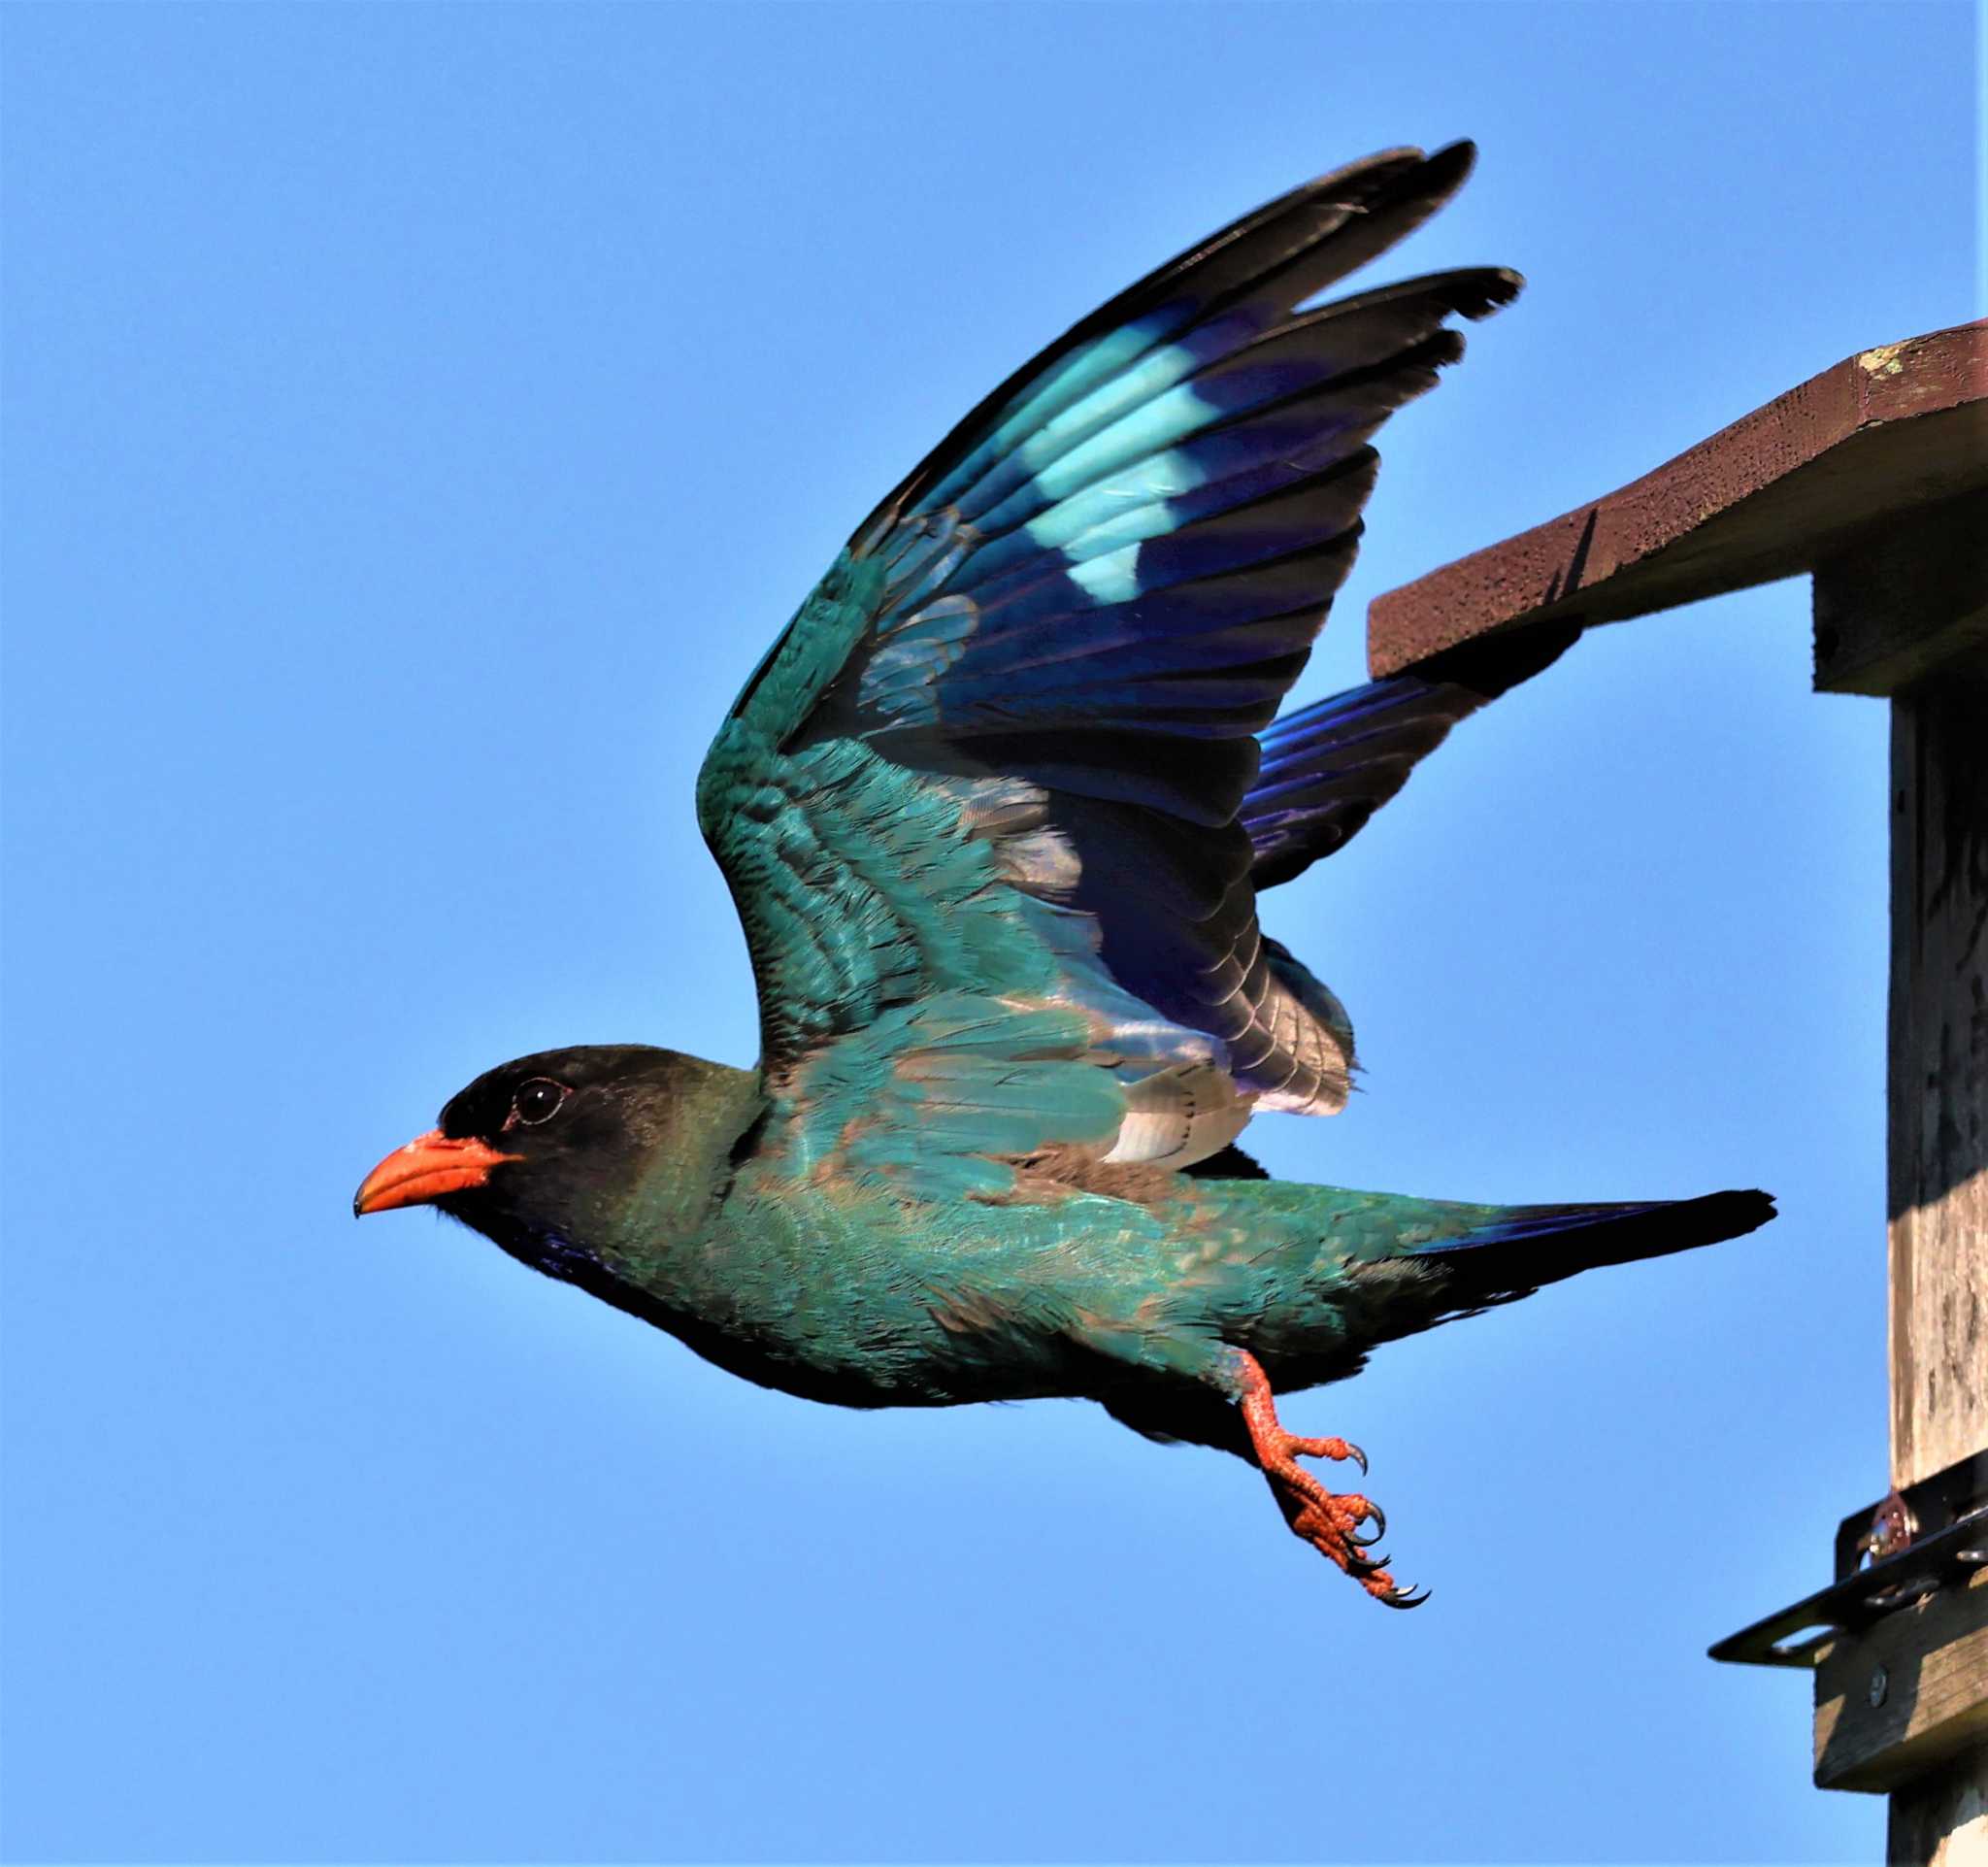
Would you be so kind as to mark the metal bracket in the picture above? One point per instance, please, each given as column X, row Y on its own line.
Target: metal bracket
column 1888, row 1555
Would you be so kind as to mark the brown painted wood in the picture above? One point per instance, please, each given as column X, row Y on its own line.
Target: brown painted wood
column 1791, row 486
column 1907, row 1694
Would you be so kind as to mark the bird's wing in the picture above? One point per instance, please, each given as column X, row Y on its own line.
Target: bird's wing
column 1328, row 767
column 979, row 805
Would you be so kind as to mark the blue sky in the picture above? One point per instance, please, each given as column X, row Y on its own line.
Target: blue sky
column 417, row 421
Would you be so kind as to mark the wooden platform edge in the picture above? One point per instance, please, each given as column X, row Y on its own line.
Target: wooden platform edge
column 1776, row 492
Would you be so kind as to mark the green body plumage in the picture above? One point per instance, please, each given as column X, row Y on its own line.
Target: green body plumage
column 1130, row 1285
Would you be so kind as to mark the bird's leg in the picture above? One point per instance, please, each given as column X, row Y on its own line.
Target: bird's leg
column 1327, row 1520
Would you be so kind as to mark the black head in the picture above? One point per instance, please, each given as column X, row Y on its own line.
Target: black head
column 550, row 1148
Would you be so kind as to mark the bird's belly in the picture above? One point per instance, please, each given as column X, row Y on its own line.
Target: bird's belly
column 843, row 1304
column 825, row 1340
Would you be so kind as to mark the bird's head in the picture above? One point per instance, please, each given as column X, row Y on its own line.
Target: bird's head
column 549, row 1147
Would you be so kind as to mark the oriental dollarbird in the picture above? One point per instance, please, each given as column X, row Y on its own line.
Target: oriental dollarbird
column 995, row 811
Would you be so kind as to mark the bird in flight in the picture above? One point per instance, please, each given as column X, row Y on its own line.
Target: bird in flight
column 996, row 810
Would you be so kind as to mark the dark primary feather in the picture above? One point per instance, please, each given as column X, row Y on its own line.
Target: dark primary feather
column 1327, row 768
column 1277, row 250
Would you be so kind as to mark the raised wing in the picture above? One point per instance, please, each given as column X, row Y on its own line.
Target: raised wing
column 979, row 805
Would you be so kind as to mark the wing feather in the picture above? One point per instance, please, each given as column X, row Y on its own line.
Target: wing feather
column 979, row 805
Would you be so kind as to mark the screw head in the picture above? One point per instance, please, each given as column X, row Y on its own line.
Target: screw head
column 1880, row 1686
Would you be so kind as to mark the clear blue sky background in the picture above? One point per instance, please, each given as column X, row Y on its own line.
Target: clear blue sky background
column 418, row 419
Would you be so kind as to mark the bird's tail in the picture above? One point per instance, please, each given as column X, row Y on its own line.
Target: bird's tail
column 1529, row 1245
column 1510, row 1255
column 1359, row 1269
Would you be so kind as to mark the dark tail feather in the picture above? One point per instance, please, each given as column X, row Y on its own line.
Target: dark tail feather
column 1536, row 1244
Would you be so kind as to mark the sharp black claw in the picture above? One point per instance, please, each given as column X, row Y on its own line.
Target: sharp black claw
column 1358, row 1457
column 1404, row 1597
column 1365, row 1566
column 1377, row 1516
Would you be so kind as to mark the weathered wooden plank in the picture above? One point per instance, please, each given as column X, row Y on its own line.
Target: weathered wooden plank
column 1938, row 1155
column 1784, row 488
column 1906, row 1694
column 1939, row 1065
column 1904, row 601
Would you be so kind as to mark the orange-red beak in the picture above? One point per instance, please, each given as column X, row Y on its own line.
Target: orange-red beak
column 430, row 1165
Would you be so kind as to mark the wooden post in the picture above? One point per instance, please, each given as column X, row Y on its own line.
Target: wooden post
column 1939, row 1050
column 1938, row 1144
column 1873, row 476
column 1905, row 613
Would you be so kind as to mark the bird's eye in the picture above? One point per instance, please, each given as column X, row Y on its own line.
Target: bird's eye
column 536, row 1101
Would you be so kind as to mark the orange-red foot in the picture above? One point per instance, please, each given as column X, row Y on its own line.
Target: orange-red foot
column 1331, row 1523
